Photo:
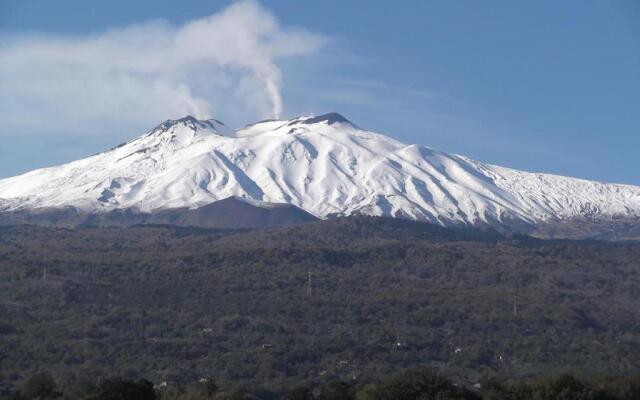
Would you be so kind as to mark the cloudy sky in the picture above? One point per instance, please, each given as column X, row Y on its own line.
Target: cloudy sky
column 542, row 86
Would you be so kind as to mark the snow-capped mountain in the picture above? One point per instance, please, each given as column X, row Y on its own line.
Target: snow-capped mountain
column 324, row 165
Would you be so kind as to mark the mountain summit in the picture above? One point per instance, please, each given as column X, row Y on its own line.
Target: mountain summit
column 326, row 166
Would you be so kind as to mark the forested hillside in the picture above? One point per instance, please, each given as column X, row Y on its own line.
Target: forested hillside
column 350, row 299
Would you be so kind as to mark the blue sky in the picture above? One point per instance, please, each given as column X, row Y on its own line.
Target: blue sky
column 543, row 86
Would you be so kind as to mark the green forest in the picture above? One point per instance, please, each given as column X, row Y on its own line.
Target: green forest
column 411, row 384
column 347, row 304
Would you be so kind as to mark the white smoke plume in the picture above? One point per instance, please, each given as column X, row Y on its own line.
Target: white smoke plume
column 150, row 71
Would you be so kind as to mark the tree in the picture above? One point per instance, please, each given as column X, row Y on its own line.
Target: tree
column 234, row 395
column 205, row 389
column 417, row 383
column 630, row 388
column 494, row 390
column 121, row 389
column 335, row 391
column 299, row 393
column 565, row 387
column 40, row 386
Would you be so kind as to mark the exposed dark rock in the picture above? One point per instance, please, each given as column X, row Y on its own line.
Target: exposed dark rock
column 330, row 118
column 231, row 213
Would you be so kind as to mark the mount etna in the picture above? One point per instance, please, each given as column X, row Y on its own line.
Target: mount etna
column 284, row 172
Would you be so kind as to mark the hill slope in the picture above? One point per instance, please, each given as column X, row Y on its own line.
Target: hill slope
column 179, row 304
column 230, row 213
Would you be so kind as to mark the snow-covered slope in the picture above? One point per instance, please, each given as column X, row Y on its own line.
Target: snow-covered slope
column 324, row 165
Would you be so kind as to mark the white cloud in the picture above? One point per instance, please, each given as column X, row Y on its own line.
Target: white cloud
column 222, row 64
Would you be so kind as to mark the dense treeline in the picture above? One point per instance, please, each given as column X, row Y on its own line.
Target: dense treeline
column 343, row 300
column 416, row 383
